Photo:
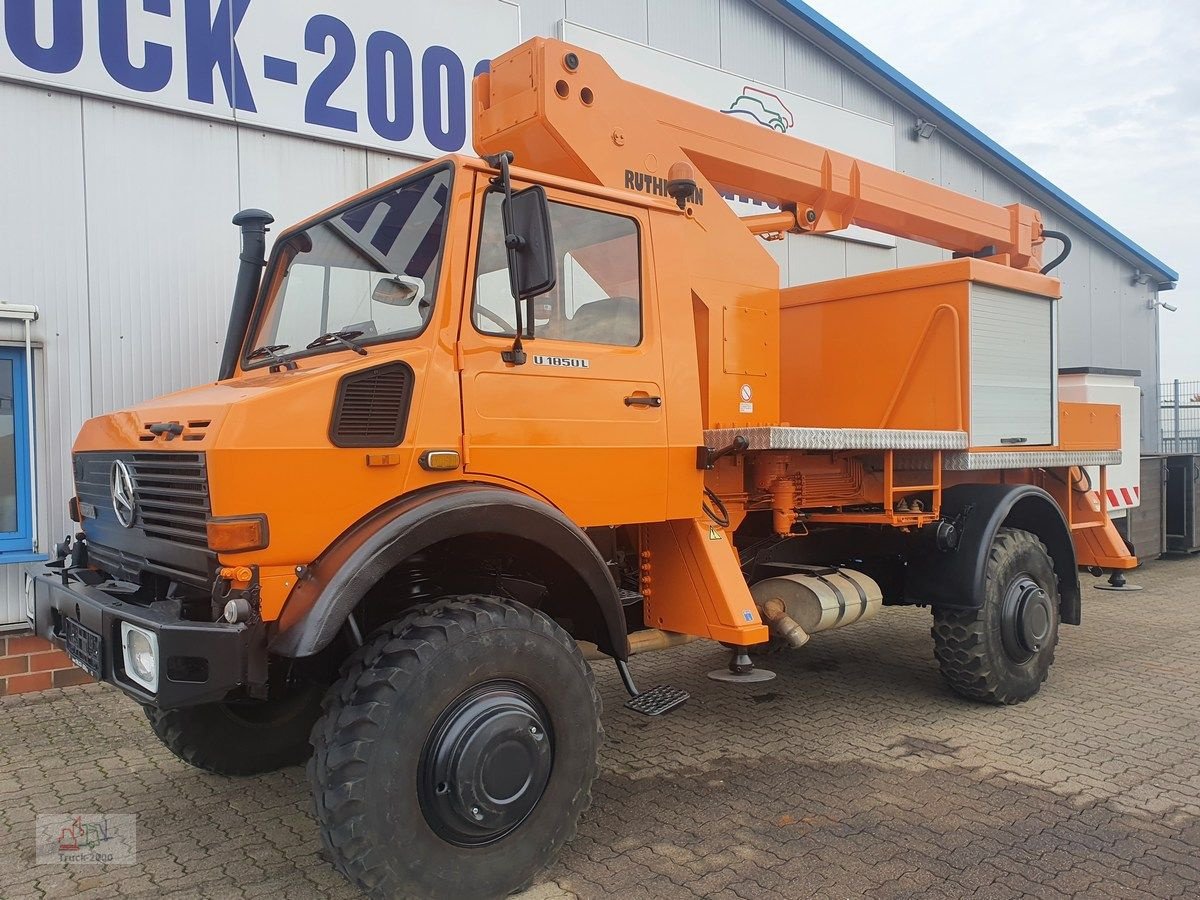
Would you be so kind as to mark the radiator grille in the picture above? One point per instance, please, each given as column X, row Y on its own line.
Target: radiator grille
column 169, row 533
column 372, row 407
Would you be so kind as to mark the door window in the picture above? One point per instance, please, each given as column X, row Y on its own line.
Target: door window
column 597, row 298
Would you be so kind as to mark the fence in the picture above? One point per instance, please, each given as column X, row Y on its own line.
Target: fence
column 1179, row 415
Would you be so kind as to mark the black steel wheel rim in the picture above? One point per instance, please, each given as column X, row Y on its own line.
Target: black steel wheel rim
column 1026, row 618
column 485, row 764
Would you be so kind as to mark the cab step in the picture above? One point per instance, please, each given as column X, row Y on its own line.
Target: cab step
column 657, row 701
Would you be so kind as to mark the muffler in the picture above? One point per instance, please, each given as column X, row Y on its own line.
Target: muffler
column 815, row 600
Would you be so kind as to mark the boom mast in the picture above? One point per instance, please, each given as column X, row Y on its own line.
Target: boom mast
column 564, row 111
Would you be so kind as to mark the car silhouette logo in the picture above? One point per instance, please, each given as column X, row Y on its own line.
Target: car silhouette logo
column 763, row 107
column 124, row 501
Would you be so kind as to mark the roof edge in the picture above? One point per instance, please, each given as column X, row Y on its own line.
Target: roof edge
column 842, row 40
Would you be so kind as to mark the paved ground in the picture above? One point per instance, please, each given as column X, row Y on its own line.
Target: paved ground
column 854, row 773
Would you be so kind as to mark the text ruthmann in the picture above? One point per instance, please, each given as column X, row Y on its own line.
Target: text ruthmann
column 644, row 182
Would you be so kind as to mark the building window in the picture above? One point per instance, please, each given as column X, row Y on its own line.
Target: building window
column 16, row 492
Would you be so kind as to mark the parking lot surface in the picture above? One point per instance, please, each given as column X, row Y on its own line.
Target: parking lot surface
column 855, row 772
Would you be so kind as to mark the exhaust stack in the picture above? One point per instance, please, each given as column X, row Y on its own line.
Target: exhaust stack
column 253, row 223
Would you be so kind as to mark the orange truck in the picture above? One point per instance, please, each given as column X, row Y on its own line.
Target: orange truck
column 507, row 413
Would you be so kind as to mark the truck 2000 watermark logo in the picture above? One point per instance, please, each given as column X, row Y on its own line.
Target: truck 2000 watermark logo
column 87, row 838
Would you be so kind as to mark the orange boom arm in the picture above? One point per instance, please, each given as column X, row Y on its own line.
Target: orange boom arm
column 564, row 111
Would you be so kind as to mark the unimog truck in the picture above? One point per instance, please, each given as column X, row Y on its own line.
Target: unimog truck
column 511, row 412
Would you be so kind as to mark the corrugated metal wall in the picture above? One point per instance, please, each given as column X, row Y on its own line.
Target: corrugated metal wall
column 121, row 229
column 116, row 225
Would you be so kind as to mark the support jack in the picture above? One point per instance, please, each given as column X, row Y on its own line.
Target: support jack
column 1117, row 582
column 741, row 670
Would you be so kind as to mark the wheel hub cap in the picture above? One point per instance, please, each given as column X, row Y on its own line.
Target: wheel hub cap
column 485, row 764
column 1026, row 618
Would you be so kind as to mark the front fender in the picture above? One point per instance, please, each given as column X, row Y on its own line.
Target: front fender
column 318, row 607
column 956, row 579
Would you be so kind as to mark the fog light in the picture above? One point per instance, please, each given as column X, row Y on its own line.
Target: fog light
column 140, row 650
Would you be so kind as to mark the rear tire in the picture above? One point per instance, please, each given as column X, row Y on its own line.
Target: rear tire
column 241, row 738
column 457, row 752
column 1002, row 652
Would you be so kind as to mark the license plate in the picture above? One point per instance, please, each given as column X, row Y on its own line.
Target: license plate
column 83, row 646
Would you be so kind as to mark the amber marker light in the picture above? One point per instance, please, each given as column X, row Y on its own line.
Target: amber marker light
column 238, row 534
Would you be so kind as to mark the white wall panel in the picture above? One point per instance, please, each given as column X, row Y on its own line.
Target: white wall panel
column 43, row 261
column 541, row 17
column 911, row 253
column 810, row 72
column 863, row 258
column 961, row 171
column 861, row 97
column 279, row 173
column 624, row 18
column 690, row 28
column 813, row 259
column 160, row 191
column 382, row 166
column 915, row 156
column 752, row 42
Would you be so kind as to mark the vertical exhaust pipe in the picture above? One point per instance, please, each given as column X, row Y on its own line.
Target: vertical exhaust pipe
column 253, row 223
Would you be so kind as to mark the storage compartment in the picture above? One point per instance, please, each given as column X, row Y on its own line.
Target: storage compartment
column 1183, row 503
column 964, row 345
column 1116, row 388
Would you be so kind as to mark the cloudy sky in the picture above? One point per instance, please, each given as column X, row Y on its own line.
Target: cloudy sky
column 1100, row 96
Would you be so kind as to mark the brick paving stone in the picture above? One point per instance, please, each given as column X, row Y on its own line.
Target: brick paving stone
column 854, row 773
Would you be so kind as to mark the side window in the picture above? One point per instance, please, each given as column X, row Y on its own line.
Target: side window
column 598, row 295
column 16, row 484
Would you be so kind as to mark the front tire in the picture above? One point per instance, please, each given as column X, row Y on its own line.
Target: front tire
column 457, row 752
column 1002, row 652
column 247, row 738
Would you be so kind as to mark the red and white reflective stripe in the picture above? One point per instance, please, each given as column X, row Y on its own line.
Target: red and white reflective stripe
column 1120, row 498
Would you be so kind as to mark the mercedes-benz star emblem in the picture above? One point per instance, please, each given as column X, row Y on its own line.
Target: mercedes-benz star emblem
column 120, row 484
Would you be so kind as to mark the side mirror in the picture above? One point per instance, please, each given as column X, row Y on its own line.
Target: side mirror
column 398, row 290
column 528, row 216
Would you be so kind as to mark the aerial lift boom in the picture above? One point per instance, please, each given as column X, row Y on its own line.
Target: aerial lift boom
column 612, row 129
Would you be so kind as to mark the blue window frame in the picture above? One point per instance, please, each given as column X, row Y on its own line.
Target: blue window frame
column 16, row 492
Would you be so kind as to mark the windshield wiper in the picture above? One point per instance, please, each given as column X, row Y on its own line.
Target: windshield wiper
column 271, row 351
column 345, row 338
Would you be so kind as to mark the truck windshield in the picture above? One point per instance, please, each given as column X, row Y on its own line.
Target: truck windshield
column 367, row 273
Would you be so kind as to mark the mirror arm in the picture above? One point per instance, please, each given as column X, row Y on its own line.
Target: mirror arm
column 512, row 243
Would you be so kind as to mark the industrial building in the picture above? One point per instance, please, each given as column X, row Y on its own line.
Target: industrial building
column 133, row 132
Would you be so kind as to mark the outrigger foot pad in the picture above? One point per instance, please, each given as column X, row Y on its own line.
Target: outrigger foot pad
column 741, row 670
column 655, row 702
column 1117, row 582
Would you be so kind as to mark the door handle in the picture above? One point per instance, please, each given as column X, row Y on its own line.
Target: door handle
column 641, row 400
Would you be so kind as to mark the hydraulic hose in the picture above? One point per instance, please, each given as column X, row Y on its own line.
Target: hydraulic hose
column 720, row 518
column 1061, row 258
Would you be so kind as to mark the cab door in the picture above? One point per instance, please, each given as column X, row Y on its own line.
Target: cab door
column 583, row 421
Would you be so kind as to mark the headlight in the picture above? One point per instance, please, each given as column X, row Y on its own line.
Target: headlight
column 140, row 649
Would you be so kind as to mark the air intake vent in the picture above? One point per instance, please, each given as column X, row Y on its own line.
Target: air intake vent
column 372, row 407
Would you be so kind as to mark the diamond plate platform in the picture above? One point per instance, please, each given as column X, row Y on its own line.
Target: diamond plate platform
column 787, row 438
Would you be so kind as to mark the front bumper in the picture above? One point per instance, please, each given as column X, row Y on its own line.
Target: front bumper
column 199, row 662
